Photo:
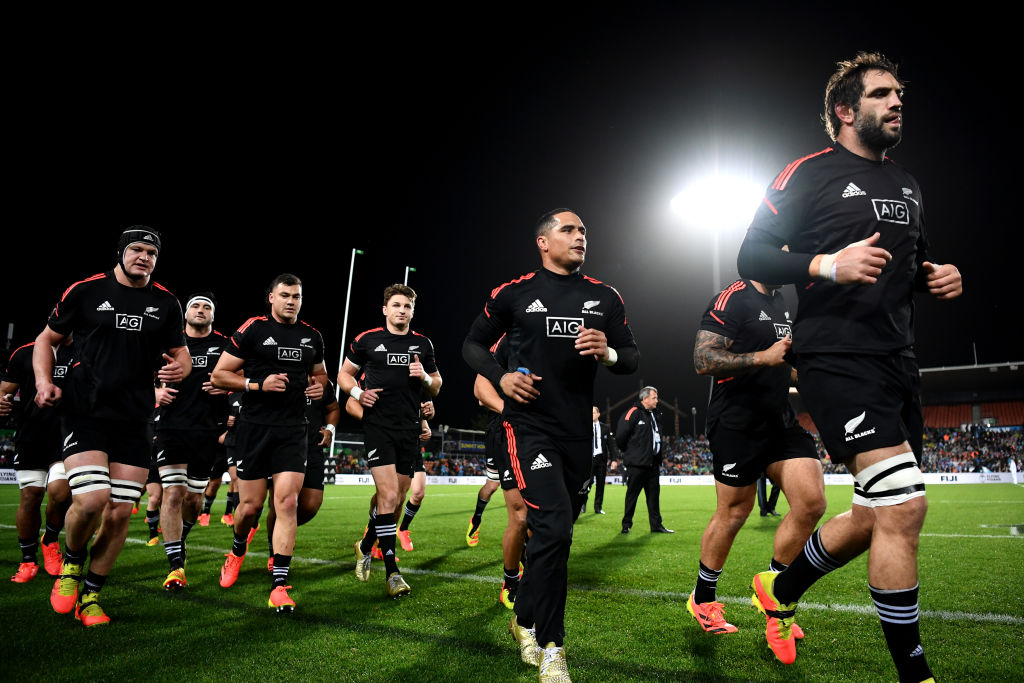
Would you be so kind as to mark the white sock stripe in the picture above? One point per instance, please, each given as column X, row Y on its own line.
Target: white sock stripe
column 389, row 530
column 896, row 610
column 818, row 556
column 409, row 513
column 709, row 577
column 890, row 591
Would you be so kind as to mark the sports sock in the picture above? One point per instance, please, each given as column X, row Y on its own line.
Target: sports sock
column 511, row 577
column 28, row 546
column 51, row 534
column 707, row 584
column 776, row 566
column 93, row 583
column 239, row 546
column 153, row 520
column 75, row 556
column 186, row 527
column 898, row 611
column 410, row 512
column 386, row 540
column 478, row 514
column 207, row 504
column 281, row 564
column 232, row 502
column 174, row 554
column 811, row 564
column 366, row 545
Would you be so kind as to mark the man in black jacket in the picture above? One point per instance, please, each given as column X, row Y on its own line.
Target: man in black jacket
column 603, row 447
column 639, row 438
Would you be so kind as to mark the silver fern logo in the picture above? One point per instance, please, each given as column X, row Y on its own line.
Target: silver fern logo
column 855, row 422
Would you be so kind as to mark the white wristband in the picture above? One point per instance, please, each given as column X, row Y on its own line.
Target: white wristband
column 612, row 357
column 827, row 266
column 355, row 392
column 427, row 381
column 330, row 428
column 246, row 383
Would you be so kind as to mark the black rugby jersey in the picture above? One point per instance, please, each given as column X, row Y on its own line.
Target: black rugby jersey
column 120, row 333
column 193, row 408
column 316, row 411
column 541, row 313
column 818, row 205
column 384, row 358
column 35, row 424
column 754, row 321
column 500, row 353
column 269, row 347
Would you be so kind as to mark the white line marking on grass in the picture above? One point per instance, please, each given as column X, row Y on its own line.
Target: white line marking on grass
column 944, row 615
column 966, row 536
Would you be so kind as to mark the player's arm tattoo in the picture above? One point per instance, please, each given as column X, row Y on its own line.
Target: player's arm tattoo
column 711, row 356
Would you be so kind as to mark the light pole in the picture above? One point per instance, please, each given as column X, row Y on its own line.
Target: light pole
column 344, row 332
column 408, row 269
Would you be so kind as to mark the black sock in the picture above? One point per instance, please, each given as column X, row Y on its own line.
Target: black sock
column 93, row 583
column 707, row 584
column 153, row 520
column 776, row 566
column 186, row 527
column 232, row 502
column 410, row 512
column 28, row 546
column 51, row 534
column 256, row 521
column 174, row 554
column 75, row 556
column 386, row 540
column 366, row 545
column 281, row 563
column 811, row 564
column 208, row 503
column 898, row 611
column 511, row 577
column 239, row 546
column 478, row 513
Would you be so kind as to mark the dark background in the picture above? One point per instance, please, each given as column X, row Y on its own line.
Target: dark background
column 274, row 143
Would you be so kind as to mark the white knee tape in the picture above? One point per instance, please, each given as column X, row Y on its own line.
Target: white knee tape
column 88, row 478
column 492, row 475
column 173, row 476
column 197, row 485
column 125, row 491
column 56, row 472
column 28, row 478
column 891, row 481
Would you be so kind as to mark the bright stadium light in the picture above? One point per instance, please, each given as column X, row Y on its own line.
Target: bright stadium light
column 718, row 202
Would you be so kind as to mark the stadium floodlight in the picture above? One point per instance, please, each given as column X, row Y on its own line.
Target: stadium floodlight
column 718, row 203
column 344, row 330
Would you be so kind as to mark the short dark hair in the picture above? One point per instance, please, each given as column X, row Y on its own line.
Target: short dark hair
column 546, row 220
column 286, row 279
column 404, row 290
column 847, row 85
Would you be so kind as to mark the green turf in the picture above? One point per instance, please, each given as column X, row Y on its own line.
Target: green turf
column 626, row 618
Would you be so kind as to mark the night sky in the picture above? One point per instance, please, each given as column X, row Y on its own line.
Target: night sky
column 434, row 141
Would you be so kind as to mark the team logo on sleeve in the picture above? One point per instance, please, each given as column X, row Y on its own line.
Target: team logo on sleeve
column 891, row 211
column 289, row 353
column 563, row 327
column 123, row 321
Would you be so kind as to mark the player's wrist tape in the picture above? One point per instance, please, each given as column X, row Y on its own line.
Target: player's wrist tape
column 330, row 428
column 355, row 392
column 827, row 265
column 427, row 381
column 246, row 380
column 612, row 357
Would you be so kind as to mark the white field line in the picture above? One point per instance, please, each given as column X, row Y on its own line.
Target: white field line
column 944, row 615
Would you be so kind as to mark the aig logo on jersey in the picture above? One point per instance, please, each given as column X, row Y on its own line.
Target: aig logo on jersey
column 891, row 211
column 398, row 359
column 199, row 361
column 782, row 331
column 123, row 321
column 289, row 353
column 563, row 327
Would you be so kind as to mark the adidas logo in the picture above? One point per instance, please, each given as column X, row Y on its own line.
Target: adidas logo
column 853, row 191
column 105, row 306
column 270, row 342
column 764, row 316
column 541, row 462
column 918, row 651
column 381, row 348
column 536, row 307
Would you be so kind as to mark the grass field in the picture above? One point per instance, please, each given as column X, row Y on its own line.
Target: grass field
column 626, row 618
